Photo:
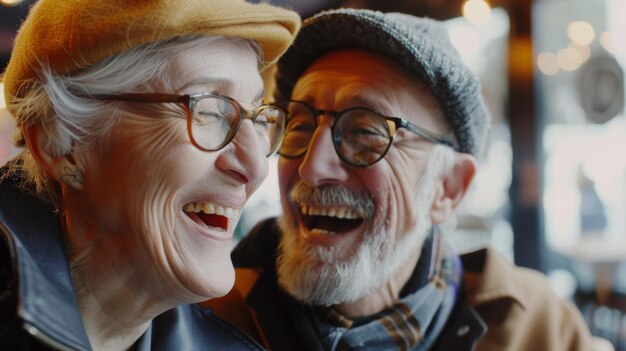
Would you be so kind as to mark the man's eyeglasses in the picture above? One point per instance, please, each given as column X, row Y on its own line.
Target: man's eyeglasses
column 361, row 136
column 213, row 120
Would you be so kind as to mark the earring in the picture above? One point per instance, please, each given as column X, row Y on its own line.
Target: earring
column 73, row 177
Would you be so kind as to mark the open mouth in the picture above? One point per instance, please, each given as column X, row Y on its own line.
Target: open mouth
column 211, row 215
column 330, row 220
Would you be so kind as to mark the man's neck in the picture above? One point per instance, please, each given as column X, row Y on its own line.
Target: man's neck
column 384, row 297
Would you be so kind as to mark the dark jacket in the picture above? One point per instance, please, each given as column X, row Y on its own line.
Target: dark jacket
column 38, row 306
column 502, row 307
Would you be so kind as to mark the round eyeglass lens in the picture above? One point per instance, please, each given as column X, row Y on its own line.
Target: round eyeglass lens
column 299, row 131
column 213, row 120
column 269, row 125
column 361, row 137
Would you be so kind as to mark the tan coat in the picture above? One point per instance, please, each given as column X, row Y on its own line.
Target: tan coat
column 519, row 308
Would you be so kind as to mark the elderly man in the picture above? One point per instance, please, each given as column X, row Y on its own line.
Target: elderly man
column 385, row 125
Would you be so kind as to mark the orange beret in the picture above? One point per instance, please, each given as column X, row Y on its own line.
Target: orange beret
column 73, row 34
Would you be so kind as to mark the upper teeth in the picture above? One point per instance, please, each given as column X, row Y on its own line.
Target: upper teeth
column 339, row 212
column 211, row 209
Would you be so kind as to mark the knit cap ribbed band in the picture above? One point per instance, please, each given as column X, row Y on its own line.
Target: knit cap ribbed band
column 419, row 44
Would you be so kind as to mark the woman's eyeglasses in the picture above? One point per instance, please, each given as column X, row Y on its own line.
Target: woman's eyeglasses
column 361, row 136
column 213, row 119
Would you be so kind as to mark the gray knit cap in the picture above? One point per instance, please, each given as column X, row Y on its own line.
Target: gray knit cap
column 419, row 44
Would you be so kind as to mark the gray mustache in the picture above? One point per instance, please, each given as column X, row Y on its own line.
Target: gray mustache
column 329, row 195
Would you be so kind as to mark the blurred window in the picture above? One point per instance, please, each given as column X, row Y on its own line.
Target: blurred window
column 579, row 74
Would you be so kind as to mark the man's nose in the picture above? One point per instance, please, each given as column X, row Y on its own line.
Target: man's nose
column 321, row 164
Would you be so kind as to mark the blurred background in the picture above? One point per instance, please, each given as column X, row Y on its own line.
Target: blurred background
column 551, row 191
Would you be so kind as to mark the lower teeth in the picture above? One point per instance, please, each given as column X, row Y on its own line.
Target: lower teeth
column 317, row 231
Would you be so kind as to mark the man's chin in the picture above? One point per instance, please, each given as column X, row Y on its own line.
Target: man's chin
column 320, row 284
column 319, row 275
column 313, row 273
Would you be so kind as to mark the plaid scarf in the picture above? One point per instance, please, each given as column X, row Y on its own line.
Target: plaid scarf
column 414, row 323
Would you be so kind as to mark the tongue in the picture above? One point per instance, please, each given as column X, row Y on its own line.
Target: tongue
column 214, row 220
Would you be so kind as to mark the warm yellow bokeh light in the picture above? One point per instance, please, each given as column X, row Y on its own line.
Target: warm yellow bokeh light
column 546, row 62
column 583, row 53
column 10, row 2
column 606, row 40
column 477, row 11
column 609, row 42
column 565, row 61
column 581, row 33
column 573, row 55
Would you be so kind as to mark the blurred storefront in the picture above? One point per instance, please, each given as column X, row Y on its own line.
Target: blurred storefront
column 579, row 77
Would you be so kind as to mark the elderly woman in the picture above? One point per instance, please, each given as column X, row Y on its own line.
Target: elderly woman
column 145, row 133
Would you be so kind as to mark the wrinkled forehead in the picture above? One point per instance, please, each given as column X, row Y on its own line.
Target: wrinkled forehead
column 350, row 77
column 228, row 67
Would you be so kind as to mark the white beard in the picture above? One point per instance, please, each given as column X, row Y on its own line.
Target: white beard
column 319, row 275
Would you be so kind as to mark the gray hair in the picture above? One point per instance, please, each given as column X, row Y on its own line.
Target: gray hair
column 60, row 103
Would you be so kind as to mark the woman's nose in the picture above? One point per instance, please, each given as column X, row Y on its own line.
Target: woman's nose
column 245, row 158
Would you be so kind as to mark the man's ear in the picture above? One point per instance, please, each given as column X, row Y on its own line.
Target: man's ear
column 60, row 168
column 452, row 189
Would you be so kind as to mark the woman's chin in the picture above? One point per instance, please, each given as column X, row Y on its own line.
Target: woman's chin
column 215, row 281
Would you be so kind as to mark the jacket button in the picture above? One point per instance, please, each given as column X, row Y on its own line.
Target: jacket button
column 462, row 331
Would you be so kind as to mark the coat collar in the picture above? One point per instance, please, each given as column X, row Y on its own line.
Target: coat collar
column 488, row 276
column 47, row 302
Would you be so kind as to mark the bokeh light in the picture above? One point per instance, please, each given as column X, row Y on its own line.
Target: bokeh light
column 477, row 11
column 10, row 2
column 581, row 32
column 546, row 62
column 565, row 59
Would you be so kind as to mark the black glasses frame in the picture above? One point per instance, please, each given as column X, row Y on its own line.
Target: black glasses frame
column 392, row 124
column 188, row 103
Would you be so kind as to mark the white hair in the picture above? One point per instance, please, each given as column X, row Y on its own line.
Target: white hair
column 60, row 104
column 315, row 275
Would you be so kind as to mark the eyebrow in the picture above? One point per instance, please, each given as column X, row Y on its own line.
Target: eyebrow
column 372, row 103
column 219, row 84
column 354, row 101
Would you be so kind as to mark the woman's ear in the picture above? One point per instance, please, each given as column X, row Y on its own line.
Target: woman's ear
column 452, row 188
column 60, row 168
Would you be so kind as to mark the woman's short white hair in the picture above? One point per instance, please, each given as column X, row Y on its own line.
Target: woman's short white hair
column 60, row 103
